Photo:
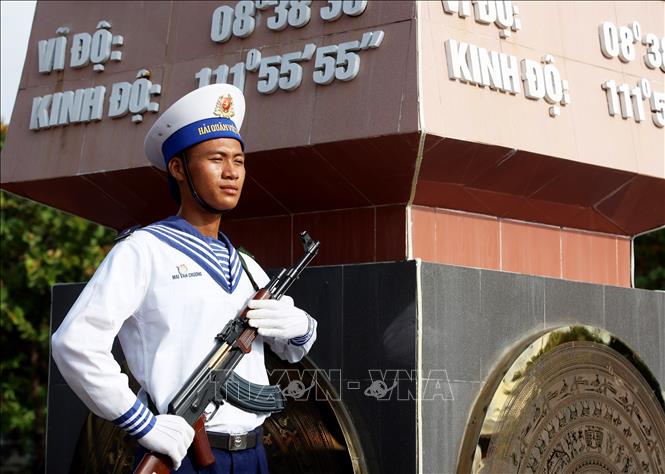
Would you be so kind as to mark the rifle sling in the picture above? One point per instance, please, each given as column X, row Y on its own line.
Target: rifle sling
column 244, row 267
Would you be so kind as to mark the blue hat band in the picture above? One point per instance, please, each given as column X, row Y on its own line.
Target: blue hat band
column 197, row 132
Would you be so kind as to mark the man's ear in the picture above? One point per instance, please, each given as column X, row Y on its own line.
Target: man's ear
column 176, row 169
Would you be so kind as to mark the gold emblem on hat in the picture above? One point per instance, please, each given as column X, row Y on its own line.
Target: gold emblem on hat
column 224, row 107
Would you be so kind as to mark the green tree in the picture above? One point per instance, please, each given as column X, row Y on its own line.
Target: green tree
column 40, row 246
column 3, row 133
column 650, row 260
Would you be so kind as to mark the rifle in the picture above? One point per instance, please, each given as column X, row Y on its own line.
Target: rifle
column 215, row 374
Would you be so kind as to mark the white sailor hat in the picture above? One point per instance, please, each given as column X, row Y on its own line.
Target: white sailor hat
column 214, row 111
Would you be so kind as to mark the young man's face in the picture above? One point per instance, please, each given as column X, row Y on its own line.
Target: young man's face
column 218, row 171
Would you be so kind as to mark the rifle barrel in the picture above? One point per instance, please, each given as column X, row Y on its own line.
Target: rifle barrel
column 295, row 272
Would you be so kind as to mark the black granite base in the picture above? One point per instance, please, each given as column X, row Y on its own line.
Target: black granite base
column 368, row 342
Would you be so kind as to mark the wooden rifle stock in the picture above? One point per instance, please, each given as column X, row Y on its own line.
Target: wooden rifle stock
column 244, row 341
column 154, row 463
column 157, row 463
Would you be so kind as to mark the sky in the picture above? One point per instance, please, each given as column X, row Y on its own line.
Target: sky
column 16, row 21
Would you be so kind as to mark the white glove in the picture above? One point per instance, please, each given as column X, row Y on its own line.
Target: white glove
column 171, row 435
column 278, row 318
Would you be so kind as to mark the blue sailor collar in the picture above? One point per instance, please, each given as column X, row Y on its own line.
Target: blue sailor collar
column 217, row 257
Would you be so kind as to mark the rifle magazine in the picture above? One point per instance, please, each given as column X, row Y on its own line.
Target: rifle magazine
column 251, row 396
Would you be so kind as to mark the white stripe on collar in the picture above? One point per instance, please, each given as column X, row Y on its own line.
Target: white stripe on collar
column 225, row 270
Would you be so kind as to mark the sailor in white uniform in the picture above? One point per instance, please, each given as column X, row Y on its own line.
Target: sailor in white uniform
column 167, row 289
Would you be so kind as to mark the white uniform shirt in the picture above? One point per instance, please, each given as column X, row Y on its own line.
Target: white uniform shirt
column 166, row 310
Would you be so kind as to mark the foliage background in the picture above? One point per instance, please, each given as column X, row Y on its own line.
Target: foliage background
column 650, row 261
column 41, row 246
